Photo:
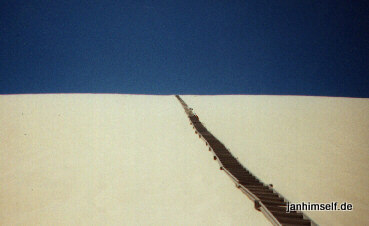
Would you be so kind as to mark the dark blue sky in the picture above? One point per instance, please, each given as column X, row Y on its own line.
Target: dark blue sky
column 185, row 47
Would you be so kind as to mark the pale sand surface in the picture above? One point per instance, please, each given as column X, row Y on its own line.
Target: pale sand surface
column 311, row 148
column 129, row 160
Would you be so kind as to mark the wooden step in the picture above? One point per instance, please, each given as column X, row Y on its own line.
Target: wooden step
column 288, row 215
column 246, row 183
column 277, row 208
column 269, row 195
column 259, row 190
column 274, row 203
column 270, row 198
column 293, row 221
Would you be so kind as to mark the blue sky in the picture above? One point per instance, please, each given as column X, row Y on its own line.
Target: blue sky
column 185, row 47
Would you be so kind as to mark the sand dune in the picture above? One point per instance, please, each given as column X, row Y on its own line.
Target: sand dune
column 134, row 160
column 311, row 148
column 110, row 160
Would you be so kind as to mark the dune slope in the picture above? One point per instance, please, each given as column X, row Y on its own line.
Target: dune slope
column 312, row 149
column 110, row 160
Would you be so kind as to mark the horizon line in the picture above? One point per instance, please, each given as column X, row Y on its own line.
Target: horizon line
column 141, row 94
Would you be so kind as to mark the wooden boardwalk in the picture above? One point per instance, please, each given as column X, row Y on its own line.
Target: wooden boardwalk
column 266, row 199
